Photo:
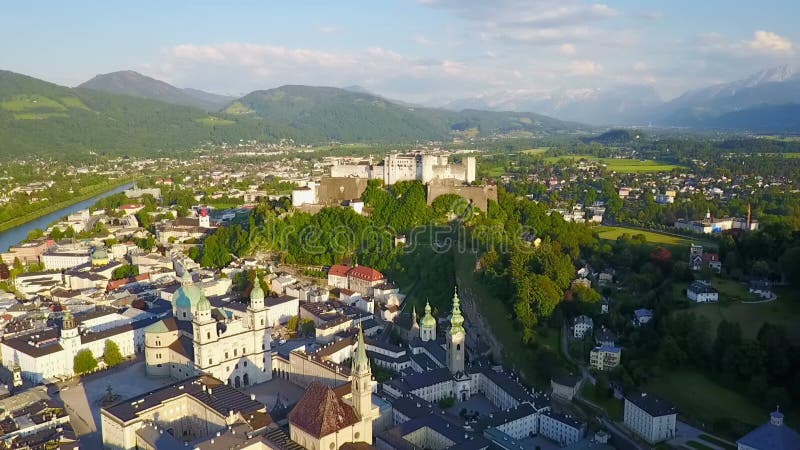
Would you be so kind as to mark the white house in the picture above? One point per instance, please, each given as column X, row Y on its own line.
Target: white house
column 561, row 428
column 650, row 417
column 582, row 325
column 702, row 292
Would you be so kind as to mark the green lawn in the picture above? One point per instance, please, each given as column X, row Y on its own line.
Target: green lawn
column 213, row 121
column 784, row 311
column 536, row 151
column 614, row 407
column 717, row 442
column 654, row 237
column 621, row 165
column 701, row 398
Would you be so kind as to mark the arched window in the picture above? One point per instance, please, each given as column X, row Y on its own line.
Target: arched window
column 458, row 346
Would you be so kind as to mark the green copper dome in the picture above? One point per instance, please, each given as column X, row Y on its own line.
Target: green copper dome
column 428, row 321
column 188, row 295
column 203, row 304
column 256, row 293
column 457, row 320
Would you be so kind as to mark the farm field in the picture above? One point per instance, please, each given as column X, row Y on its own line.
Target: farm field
column 653, row 237
column 621, row 165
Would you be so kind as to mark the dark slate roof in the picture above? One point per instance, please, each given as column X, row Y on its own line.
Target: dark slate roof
column 44, row 342
column 419, row 380
column 567, row 380
column 651, row 404
column 275, row 301
column 222, row 399
column 568, row 420
column 773, row 435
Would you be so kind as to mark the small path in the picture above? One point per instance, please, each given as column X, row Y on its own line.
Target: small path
column 769, row 300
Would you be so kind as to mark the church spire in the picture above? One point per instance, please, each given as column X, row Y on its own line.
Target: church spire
column 414, row 323
column 360, row 360
column 457, row 320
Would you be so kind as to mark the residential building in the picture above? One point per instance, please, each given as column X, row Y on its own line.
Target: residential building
column 563, row 429
column 605, row 357
column 650, row 417
column 701, row 292
column 565, row 386
column 195, row 409
column 582, row 325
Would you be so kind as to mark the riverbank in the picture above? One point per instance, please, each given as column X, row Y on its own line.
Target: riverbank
column 93, row 192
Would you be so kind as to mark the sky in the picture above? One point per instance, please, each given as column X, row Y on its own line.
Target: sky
column 426, row 51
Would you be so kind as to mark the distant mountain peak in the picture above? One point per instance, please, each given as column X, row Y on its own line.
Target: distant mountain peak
column 130, row 82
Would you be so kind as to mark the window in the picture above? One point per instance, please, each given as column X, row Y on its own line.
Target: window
column 262, row 321
column 332, row 446
column 234, row 352
column 184, row 314
column 235, row 366
column 209, row 361
column 357, row 435
column 245, row 363
column 263, row 346
column 458, row 346
column 226, row 355
column 208, row 335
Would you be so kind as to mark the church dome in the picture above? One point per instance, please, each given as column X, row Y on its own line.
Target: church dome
column 188, row 295
column 203, row 304
column 428, row 321
column 256, row 293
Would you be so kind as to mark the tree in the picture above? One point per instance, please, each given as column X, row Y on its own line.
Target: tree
column 111, row 354
column 84, row 362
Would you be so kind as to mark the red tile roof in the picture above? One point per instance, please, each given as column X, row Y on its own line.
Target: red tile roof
column 339, row 270
column 365, row 273
column 320, row 412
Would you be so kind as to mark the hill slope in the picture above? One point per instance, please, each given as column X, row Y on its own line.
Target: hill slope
column 332, row 113
column 37, row 117
column 132, row 83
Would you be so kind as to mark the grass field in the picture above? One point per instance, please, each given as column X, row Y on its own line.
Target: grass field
column 751, row 316
column 614, row 407
column 536, row 151
column 212, row 121
column 621, row 165
column 653, row 237
column 701, row 398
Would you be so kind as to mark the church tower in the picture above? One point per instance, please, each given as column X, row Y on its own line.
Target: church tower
column 70, row 338
column 427, row 331
column 260, row 333
column 362, row 388
column 414, row 323
column 205, row 332
column 456, row 338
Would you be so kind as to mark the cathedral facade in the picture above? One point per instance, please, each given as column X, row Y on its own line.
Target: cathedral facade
column 229, row 343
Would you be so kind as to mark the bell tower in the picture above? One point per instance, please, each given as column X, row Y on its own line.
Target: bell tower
column 362, row 388
column 456, row 338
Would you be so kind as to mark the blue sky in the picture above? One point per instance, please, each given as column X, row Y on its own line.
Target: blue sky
column 427, row 51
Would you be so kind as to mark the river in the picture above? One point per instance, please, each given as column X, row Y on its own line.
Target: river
column 14, row 236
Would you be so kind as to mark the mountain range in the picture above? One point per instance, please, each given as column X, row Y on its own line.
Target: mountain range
column 128, row 112
column 708, row 107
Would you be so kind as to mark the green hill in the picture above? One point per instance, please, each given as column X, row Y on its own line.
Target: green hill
column 37, row 117
column 128, row 82
column 332, row 113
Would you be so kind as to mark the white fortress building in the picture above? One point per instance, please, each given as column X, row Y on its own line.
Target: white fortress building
column 230, row 344
column 410, row 166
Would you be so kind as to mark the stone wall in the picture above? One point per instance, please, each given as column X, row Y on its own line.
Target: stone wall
column 335, row 190
column 479, row 196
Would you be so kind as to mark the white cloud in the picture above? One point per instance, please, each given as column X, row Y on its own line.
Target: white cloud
column 769, row 42
column 567, row 49
column 584, row 68
column 640, row 67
